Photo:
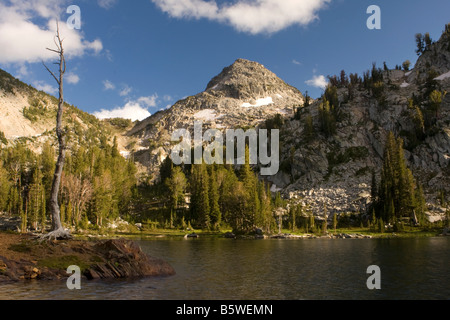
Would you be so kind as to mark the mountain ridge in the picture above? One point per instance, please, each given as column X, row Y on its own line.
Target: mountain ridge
column 318, row 168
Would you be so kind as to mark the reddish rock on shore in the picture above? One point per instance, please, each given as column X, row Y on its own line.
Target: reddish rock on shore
column 27, row 259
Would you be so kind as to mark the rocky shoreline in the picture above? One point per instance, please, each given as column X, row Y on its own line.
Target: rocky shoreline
column 292, row 236
column 29, row 259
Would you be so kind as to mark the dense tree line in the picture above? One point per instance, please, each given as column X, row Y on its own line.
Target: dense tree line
column 213, row 196
column 97, row 184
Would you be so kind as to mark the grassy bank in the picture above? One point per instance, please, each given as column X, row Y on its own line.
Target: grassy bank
column 408, row 232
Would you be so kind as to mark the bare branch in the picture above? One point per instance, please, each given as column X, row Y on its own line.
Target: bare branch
column 51, row 72
column 53, row 50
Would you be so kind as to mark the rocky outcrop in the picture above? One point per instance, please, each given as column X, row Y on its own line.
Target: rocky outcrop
column 335, row 172
column 108, row 259
column 125, row 259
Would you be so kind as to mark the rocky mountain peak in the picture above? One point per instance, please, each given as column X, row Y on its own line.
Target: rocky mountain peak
column 246, row 79
column 243, row 95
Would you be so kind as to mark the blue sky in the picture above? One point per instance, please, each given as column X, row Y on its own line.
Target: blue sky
column 137, row 57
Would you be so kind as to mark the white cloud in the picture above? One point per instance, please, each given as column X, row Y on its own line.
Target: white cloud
column 22, row 39
column 43, row 86
column 108, row 85
column 125, row 91
column 22, row 71
column 252, row 16
column 130, row 111
column 107, row 4
column 133, row 110
column 318, row 82
column 72, row 78
column 148, row 101
column 296, row 62
column 167, row 98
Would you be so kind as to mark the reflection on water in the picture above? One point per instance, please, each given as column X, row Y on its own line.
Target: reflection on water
column 273, row 269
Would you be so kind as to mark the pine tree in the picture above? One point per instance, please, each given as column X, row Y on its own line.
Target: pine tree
column 397, row 188
column 115, row 149
column 307, row 102
column 293, row 218
column 215, row 214
column 374, row 187
column 63, row 214
column 335, row 222
column 428, row 41
column 5, row 188
column 327, row 119
column 374, row 220
column 380, row 225
column 268, row 206
column 311, row 223
column 419, row 123
column 47, row 161
column 420, row 44
column 36, row 199
column 177, row 187
column 252, row 204
column 23, row 215
column 435, row 102
column 406, row 64
column 308, row 132
column 43, row 211
column 325, row 221
column 204, row 207
column 69, row 214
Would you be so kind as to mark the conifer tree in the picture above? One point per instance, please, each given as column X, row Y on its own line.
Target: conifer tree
column 293, row 218
column 203, row 205
column 374, row 187
column 325, row 221
column 309, row 128
column 406, row 65
column 420, row 44
column 5, row 188
column 427, row 40
column 215, row 214
column 335, row 222
column 327, row 119
column 177, row 186
column 435, row 102
column 398, row 190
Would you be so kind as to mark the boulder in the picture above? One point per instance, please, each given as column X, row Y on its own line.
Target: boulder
column 259, row 232
column 192, row 235
column 230, row 235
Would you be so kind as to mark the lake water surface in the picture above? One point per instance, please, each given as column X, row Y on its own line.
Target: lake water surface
column 223, row 269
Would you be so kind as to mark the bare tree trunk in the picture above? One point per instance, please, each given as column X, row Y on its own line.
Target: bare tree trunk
column 58, row 231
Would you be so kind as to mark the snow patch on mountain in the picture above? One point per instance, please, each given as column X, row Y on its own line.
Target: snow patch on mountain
column 259, row 103
column 443, row 76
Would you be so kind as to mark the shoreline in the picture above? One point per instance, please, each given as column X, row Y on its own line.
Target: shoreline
column 340, row 234
column 119, row 256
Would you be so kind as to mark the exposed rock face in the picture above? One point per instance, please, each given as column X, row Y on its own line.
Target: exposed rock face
column 336, row 172
column 242, row 96
column 125, row 259
column 109, row 259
